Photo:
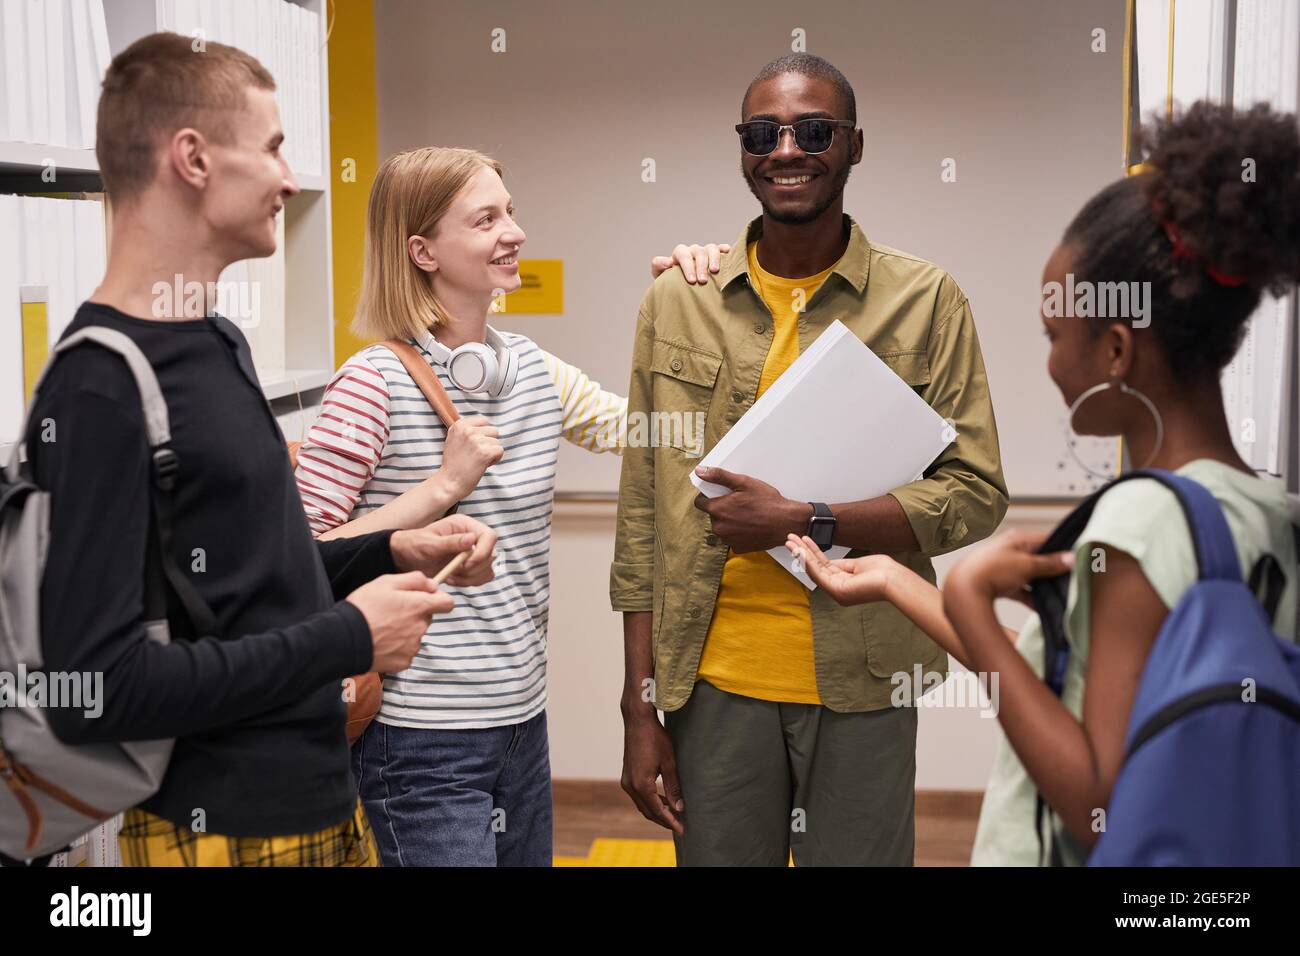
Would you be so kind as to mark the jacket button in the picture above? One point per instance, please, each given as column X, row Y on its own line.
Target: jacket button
column 676, row 365
column 737, row 397
column 760, row 328
column 694, row 612
column 711, row 540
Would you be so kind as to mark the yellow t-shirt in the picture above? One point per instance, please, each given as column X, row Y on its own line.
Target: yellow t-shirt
column 760, row 641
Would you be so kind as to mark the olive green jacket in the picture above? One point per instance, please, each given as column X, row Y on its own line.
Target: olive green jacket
column 701, row 349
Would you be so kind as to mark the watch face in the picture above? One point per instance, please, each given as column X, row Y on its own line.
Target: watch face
column 821, row 530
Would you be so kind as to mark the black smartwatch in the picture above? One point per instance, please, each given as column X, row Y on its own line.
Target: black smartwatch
column 821, row 526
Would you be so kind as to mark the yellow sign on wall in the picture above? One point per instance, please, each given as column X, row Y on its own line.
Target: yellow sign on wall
column 541, row 289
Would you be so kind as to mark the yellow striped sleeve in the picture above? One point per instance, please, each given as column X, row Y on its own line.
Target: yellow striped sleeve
column 594, row 419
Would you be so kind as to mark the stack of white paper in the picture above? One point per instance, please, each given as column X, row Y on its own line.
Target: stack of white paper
column 54, row 54
column 837, row 426
column 285, row 38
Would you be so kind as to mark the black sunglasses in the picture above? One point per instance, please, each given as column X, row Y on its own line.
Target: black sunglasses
column 760, row 137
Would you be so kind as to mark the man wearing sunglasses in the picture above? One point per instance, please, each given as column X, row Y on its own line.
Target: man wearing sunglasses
column 781, row 727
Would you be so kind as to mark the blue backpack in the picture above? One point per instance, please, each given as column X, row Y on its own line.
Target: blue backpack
column 1211, row 772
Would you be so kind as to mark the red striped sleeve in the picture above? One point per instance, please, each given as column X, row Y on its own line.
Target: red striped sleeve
column 328, row 416
column 324, row 503
column 334, row 433
column 362, row 383
column 344, row 445
column 355, row 486
column 356, row 414
column 337, row 467
column 338, row 390
column 368, row 370
column 346, row 455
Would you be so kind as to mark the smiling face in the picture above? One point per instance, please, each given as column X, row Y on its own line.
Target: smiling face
column 1080, row 357
column 474, row 248
column 249, row 180
column 792, row 186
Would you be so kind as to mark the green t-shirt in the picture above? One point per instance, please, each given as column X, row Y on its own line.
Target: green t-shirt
column 1145, row 520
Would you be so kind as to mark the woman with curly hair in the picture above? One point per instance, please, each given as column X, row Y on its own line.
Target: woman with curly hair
column 1207, row 241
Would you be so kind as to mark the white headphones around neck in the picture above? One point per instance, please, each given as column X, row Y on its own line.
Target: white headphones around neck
column 490, row 367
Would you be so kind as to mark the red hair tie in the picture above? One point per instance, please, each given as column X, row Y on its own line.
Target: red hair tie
column 1182, row 252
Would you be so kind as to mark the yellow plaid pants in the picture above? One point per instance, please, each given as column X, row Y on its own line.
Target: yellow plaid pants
column 149, row 840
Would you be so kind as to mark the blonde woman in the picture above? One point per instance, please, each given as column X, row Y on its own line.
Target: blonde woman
column 455, row 769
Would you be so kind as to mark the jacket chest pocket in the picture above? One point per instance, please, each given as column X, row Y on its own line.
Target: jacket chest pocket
column 683, row 381
column 912, row 366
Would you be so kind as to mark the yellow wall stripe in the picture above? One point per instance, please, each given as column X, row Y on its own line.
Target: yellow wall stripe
column 354, row 145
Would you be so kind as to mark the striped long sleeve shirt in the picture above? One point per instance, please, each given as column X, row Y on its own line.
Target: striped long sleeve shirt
column 484, row 663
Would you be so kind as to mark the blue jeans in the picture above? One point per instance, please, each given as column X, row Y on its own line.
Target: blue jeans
column 457, row 797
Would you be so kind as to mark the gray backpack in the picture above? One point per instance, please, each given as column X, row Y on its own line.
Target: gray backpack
column 55, row 792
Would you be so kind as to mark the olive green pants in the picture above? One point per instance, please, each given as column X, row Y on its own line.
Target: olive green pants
column 761, row 780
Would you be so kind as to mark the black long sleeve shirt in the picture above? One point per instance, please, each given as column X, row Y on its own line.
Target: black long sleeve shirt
column 257, row 708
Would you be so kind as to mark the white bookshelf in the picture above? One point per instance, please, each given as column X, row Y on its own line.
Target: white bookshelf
column 19, row 158
column 309, row 312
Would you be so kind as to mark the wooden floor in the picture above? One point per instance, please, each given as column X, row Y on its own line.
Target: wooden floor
column 587, row 810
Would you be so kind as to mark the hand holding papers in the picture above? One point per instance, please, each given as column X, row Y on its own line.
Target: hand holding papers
column 838, row 425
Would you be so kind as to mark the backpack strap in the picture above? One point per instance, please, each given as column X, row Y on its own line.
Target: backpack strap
column 1216, row 558
column 163, row 466
column 1295, row 538
column 1266, row 582
column 156, row 423
column 1051, row 595
column 1216, row 552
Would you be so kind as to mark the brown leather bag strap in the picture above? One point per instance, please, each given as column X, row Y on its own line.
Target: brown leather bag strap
column 35, row 824
column 426, row 378
column 32, row 779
